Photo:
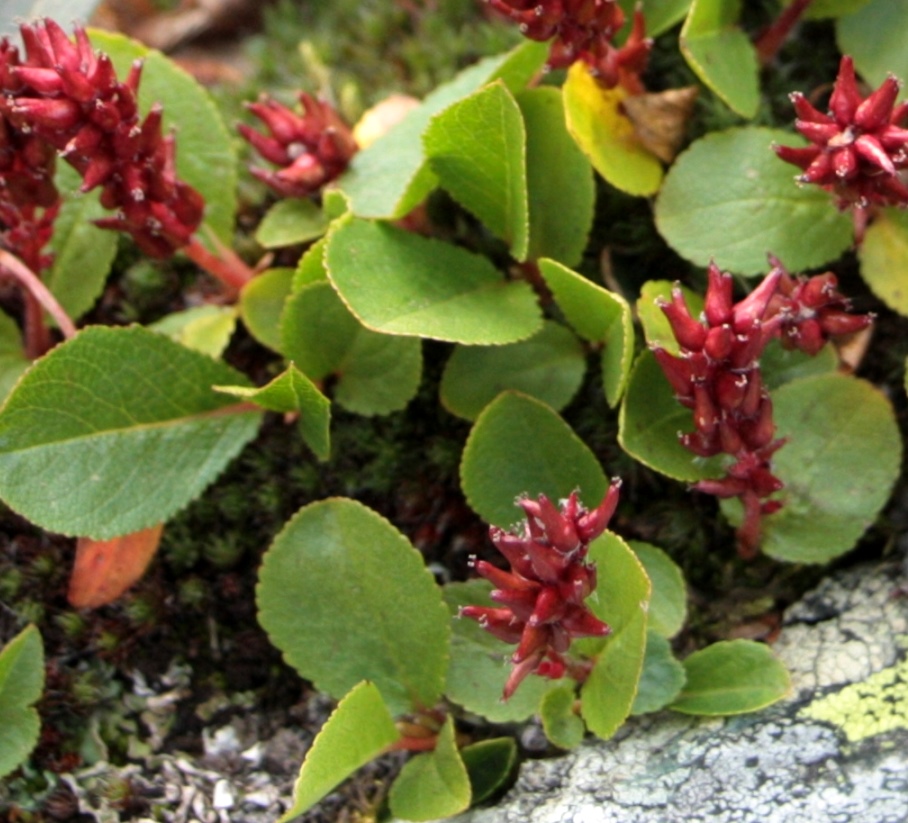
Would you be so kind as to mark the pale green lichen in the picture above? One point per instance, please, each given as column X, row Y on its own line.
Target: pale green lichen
column 878, row 704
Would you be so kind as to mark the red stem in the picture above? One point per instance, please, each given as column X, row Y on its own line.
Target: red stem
column 36, row 334
column 37, row 296
column 414, row 744
column 226, row 265
column 770, row 40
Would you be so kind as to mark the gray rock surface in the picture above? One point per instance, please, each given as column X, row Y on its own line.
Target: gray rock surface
column 835, row 751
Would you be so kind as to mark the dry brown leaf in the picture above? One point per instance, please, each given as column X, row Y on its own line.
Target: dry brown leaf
column 660, row 119
column 104, row 569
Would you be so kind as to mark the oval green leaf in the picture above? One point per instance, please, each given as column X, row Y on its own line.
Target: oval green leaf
column 83, row 253
column 376, row 373
column 292, row 391
column 520, row 446
column 656, row 328
column 662, row 678
column 621, row 600
column 262, row 302
column 729, row 198
column 397, row 282
column 820, row 9
column 649, row 423
column 391, row 176
column 480, row 663
column 328, row 602
column 599, row 316
column 874, row 37
column 115, row 431
column 732, row 677
column 205, row 156
column 489, row 764
column 721, row 55
column 668, row 603
column 13, row 361
column 549, row 366
column 884, row 259
column 358, row 730
column 289, row 222
column 432, row 785
column 560, row 722
column 311, row 267
column 606, row 135
column 21, row 684
column 779, row 365
column 660, row 15
column 560, row 182
column 477, row 149
column 839, row 465
column 206, row 329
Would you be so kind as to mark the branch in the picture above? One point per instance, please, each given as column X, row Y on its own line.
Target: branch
column 30, row 281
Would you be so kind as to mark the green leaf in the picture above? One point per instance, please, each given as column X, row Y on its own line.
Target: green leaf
column 262, row 302
column 561, row 723
column 732, row 677
column 434, row 784
column 489, row 763
column 391, row 176
column 205, row 329
column 606, row 135
column 477, row 149
column 884, row 259
column 779, row 365
column 292, row 221
column 600, row 316
column 729, row 198
column 116, row 430
column 660, row 15
column 621, row 600
column 874, row 37
column 311, row 267
column 649, row 423
column 549, row 366
column 559, row 177
column 21, row 684
column 656, row 328
column 397, row 282
column 205, row 155
column 721, row 55
column 292, row 391
column 839, row 465
column 346, row 598
column 520, row 446
column 820, row 9
column 662, row 677
column 83, row 253
column 13, row 361
column 668, row 603
column 376, row 373
column 357, row 731
column 480, row 663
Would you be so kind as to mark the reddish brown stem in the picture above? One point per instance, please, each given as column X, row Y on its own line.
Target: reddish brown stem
column 226, row 265
column 37, row 297
column 414, row 744
column 36, row 334
column 771, row 39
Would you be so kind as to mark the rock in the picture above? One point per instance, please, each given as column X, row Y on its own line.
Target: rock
column 835, row 751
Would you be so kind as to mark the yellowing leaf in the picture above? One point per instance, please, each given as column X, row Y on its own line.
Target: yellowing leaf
column 606, row 135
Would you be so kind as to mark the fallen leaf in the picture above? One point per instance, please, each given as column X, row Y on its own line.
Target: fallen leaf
column 660, row 119
column 104, row 569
